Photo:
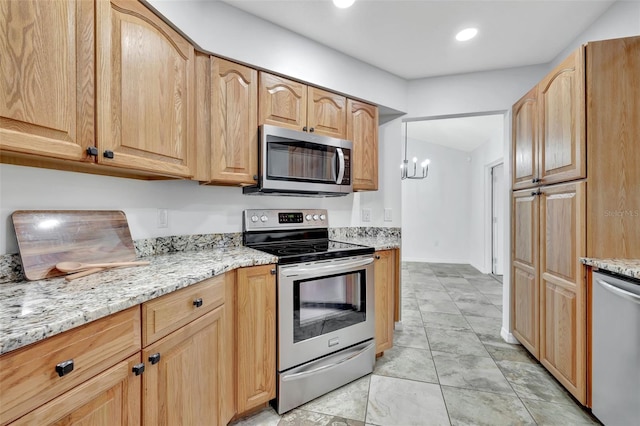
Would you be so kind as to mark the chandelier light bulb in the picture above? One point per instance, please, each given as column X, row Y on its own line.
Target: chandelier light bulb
column 467, row 34
column 415, row 159
column 343, row 4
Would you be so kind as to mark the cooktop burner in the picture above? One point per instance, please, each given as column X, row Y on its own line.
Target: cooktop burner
column 295, row 236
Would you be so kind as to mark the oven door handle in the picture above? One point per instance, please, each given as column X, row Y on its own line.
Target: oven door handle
column 324, row 366
column 340, row 166
column 334, row 266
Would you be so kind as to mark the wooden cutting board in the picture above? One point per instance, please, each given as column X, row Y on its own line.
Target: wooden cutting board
column 46, row 237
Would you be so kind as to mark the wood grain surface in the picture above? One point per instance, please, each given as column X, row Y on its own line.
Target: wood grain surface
column 47, row 237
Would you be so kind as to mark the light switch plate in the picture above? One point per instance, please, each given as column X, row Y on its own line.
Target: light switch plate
column 163, row 218
column 388, row 215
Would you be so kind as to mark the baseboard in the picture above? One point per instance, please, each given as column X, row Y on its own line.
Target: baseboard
column 508, row 337
column 430, row 260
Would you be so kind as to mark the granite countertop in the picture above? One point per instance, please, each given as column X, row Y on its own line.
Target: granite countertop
column 33, row 310
column 626, row 267
column 379, row 243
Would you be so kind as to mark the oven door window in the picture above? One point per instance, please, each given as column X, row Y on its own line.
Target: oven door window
column 323, row 305
column 302, row 161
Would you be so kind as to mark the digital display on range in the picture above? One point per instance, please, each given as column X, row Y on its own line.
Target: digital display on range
column 290, row 217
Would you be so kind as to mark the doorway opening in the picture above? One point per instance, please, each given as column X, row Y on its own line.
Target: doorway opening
column 497, row 221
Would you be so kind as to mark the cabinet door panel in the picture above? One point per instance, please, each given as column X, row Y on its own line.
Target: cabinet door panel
column 362, row 130
column 524, row 271
column 110, row 398
column 47, row 85
column 562, row 119
column 234, row 153
column 184, row 387
column 563, row 285
column 384, row 298
column 256, row 335
column 524, row 139
column 146, row 72
column 327, row 113
column 282, row 102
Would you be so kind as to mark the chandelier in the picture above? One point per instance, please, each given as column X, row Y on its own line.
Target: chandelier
column 404, row 167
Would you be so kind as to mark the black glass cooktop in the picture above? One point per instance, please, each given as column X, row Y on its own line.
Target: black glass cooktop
column 310, row 250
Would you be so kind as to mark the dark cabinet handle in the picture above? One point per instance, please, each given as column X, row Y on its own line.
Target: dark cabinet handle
column 92, row 151
column 304, row 129
column 138, row 369
column 154, row 359
column 377, row 256
column 311, row 130
column 65, row 367
column 108, row 154
column 198, row 302
column 533, row 194
column 535, row 180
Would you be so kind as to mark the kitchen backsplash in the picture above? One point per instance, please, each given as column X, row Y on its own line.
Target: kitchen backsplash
column 11, row 266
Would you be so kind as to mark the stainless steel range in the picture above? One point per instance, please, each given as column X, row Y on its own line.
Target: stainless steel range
column 325, row 297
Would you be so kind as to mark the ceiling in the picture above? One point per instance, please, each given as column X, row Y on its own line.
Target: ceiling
column 416, row 38
column 461, row 133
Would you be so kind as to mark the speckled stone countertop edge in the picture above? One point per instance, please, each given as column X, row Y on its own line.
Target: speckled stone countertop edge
column 379, row 243
column 625, row 267
column 29, row 314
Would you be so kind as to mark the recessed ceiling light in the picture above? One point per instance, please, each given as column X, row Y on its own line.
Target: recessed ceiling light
column 467, row 34
column 343, row 4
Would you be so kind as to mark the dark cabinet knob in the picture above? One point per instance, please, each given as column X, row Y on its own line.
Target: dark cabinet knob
column 311, row 130
column 138, row 369
column 154, row 359
column 273, row 272
column 64, row 367
column 304, row 129
column 198, row 302
column 377, row 256
column 535, row 180
column 534, row 193
column 108, row 154
column 92, row 151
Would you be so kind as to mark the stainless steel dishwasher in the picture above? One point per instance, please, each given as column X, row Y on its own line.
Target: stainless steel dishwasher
column 616, row 349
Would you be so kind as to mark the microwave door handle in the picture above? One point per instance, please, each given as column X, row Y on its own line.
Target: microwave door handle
column 341, row 165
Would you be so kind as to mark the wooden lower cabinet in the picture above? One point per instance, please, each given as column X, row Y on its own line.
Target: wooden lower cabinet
column 563, row 285
column 548, row 285
column 183, row 387
column 386, row 275
column 110, row 398
column 255, row 336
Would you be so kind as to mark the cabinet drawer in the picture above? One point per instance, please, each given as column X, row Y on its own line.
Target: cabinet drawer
column 29, row 377
column 168, row 313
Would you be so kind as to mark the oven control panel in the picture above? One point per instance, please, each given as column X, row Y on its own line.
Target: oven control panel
column 257, row 219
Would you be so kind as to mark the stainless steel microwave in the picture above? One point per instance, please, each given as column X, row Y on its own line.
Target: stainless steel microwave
column 301, row 163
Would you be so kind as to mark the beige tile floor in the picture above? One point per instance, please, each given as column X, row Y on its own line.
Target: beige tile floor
column 448, row 366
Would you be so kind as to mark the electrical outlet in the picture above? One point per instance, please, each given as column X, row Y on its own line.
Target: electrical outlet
column 388, row 215
column 163, row 218
column 366, row 215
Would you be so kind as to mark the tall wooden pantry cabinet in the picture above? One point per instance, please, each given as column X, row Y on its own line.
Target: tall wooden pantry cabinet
column 575, row 140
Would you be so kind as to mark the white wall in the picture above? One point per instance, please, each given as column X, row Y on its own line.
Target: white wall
column 435, row 211
column 229, row 32
column 479, row 239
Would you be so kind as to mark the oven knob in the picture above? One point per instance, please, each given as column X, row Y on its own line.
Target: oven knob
column 315, row 217
column 308, row 217
column 323, row 217
column 264, row 218
column 254, row 218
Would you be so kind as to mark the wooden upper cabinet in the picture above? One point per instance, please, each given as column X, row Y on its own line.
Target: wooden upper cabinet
column 282, row 102
column 525, row 270
column 524, row 139
column 362, row 130
column 234, row 123
column 145, row 89
column 563, row 319
column 47, row 84
column 294, row 105
column 327, row 113
column 561, row 97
